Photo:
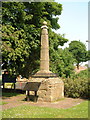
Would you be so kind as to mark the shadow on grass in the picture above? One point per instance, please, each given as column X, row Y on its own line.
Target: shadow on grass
column 7, row 93
column 31, row 98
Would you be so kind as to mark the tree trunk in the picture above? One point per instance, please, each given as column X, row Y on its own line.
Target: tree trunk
column 78, row 66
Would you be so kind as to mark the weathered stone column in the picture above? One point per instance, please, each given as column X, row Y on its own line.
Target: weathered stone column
column 44, row 55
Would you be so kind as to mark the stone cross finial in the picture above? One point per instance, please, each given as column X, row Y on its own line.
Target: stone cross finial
column 44, row 25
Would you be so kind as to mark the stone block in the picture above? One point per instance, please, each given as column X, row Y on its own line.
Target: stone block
column 51, row 89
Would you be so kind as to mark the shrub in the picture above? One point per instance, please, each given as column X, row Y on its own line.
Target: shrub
column 78, row 85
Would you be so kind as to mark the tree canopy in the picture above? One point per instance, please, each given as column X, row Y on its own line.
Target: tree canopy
column 21, row 22
column 62, row 62
column 78, row 49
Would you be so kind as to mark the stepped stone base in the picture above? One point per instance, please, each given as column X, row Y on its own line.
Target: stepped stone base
column 51, row 89
column 44, row 74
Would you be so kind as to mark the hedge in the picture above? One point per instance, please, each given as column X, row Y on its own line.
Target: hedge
column 78, row 86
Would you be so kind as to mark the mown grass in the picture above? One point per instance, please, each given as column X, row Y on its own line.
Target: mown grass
column 26, row 111
column 2, row 103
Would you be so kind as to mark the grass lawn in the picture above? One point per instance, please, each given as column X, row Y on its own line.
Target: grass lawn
column 26, row 111
column 2, row 103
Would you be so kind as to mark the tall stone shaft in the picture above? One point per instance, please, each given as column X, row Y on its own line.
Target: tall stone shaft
column 44, row 55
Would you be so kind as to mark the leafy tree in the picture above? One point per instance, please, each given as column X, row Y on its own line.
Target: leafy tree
column 78, row 49
column 21, row 22
column 88, row 55
column 62, row 62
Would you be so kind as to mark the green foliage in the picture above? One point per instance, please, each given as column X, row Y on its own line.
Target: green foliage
column 88, row 55
column 21, row 22
column 78, row 49
column 14, row 47
column 78, row 85
column 62, row 62
column 19, row 14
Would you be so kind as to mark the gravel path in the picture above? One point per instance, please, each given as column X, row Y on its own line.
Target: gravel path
column 19, row 100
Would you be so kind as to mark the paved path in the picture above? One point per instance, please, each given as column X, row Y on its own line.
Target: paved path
column 19, row 100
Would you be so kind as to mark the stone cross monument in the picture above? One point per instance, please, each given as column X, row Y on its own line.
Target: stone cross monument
column 44, row 60
column 51, row 87
column 44, row 54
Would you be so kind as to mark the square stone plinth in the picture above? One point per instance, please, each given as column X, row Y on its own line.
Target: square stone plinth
column 51, row 89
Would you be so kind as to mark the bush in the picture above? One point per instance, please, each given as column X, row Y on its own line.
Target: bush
column 78, row 85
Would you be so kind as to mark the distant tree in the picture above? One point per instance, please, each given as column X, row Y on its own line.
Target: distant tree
column 62, row 62
column 78, row 49
column 88, row 55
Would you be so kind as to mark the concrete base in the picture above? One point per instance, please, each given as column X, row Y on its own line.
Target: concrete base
column 51, row 89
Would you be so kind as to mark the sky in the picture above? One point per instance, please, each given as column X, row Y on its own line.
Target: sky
column 74, row 20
